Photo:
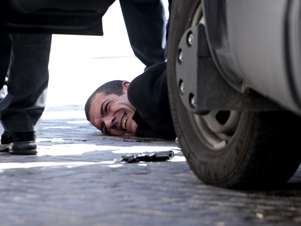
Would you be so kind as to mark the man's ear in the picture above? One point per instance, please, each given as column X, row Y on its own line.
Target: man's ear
column 125, row 86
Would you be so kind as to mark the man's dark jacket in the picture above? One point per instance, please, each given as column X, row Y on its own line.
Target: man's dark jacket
column 148, row 94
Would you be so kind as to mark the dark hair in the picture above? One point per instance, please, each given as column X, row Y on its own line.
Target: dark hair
column 112, row 87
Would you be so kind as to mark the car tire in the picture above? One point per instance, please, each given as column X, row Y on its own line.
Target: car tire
column 261, row 149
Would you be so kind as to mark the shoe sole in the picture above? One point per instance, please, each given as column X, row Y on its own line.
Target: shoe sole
column 23, row 148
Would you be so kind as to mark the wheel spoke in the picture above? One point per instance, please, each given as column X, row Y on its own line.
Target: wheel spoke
column 217, row 127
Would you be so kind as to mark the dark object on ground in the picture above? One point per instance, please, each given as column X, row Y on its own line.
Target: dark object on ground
column 148, row 157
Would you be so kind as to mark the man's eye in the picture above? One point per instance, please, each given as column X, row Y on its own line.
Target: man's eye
column 106, row 107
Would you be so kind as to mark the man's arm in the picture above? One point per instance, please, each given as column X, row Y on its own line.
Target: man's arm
column 148, row 93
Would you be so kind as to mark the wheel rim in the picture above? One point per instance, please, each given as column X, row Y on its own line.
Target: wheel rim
column 216, row 127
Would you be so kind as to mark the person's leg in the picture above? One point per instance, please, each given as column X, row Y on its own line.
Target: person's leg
column 5, row 53
column 146, row 26
column 169, row 5
column 5, row 57
column 27, row 84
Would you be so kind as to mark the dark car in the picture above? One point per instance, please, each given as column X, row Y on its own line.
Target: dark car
column 234, row 78
column 54, row 16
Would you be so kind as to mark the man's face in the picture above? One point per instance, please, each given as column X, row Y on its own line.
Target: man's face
column 113, row 114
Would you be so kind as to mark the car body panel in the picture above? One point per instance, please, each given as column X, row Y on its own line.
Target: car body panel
column 253, row 43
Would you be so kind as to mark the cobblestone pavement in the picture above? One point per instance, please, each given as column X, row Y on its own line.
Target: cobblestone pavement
column 77, row 180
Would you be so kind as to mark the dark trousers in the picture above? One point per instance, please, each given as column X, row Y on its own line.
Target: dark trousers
column 25, row 57
column 146, row 26
column 5, row 54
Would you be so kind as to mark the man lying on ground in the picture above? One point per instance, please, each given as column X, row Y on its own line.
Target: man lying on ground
column 140, row 108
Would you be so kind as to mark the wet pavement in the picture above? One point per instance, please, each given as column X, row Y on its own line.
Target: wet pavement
column 76, row 179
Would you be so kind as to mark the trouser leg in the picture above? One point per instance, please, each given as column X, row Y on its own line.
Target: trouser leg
column 27, row 83
column 169, row 5
column 146, row 26
column 5, row 53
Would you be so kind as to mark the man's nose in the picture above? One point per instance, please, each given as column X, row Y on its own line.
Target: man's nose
column 109, row 121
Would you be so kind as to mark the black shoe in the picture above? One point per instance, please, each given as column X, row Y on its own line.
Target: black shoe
column 19, row 143
column 24, row 148
column 6, row 142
